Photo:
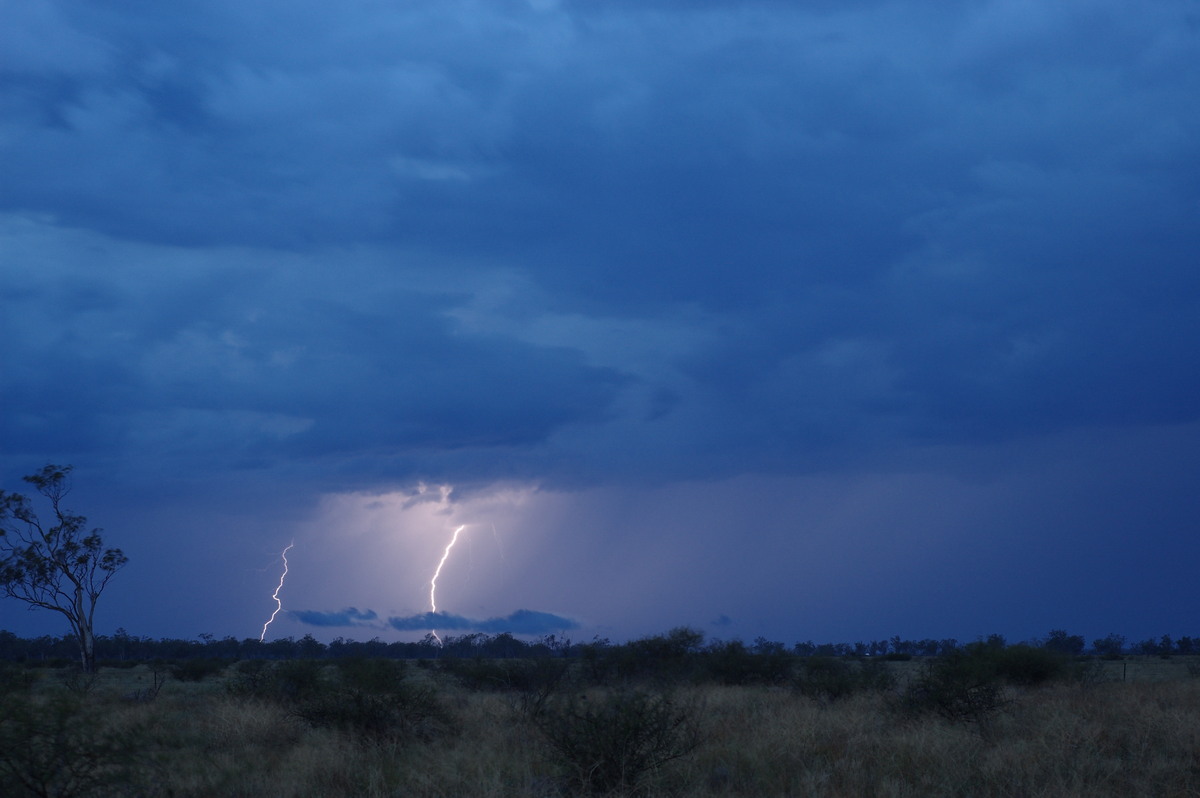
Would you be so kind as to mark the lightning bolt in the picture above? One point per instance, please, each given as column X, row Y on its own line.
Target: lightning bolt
column 275, row 595
column 436, row 572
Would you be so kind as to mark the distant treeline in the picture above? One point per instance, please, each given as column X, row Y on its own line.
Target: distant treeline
column 123, row 647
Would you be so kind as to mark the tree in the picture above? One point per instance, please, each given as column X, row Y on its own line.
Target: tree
column 1064, row 643
column 55, row 564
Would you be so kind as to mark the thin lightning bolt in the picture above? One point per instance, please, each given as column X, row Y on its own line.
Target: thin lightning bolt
column 496, row 535
column 275, row 595
column 436, row 572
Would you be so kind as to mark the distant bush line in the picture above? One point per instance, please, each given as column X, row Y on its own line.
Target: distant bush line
column 677, row 653
column 669, row 714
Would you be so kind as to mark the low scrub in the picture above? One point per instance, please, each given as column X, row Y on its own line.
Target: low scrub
column 733, row 662
column 289, row 680
column 195, row 670
column 836, row 678
column 615, row 741
column 402, row 714
column 962, row 686
column 57, row 746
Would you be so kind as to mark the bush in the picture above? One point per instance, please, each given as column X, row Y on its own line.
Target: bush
column 401, row 714
column 661, row 658
column 195, row 670
column 15, row 678
column 1026, row 665
column 290, row 680
column 614, row 741
column 832, row 679
column 57, row 748
column 962, row 687
column 372, row 675
column 732, row 662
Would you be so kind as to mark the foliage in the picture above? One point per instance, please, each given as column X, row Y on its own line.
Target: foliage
column 277, row 681
column 733, row 662
column 961, row 687
column 57, row 566
column 373, row 675
column 1060, row 641
column 369, row 699
column 15, row 679
column 57, row 747
column 1110, row 647
column 670, row 657
column 1027, row 665
column 400, row 714
column 614, row 741
column 530, row 682
column 195, row 670
column 831, row 679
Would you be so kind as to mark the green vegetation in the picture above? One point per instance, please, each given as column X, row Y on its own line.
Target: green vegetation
column 668, row 715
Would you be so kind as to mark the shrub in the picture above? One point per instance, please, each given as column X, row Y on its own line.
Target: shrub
column 832, row 679
column 661, row 658
column 372, row 675
column 57, row 748
column 614, row 741
column 963, row 687
column 1026, row 665
column 195, row 670
column 531, row 682
column 401, row 714
column 732, row 662
column 290, row 680
column 15, row 678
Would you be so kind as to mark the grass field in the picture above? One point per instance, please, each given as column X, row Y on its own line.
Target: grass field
column 1097, row 737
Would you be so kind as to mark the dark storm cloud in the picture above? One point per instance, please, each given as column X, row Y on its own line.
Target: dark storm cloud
column 522, row 622
column 878, row 222
column 351, row 616
column 256, row 254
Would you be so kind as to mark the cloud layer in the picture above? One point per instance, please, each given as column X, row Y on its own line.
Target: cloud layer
column 521, row 622
column 272, row 253
column 609, row 234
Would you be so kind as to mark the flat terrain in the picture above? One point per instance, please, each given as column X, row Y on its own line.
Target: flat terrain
column 225, row 735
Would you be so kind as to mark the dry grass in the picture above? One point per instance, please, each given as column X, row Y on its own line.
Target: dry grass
column 1138, row 737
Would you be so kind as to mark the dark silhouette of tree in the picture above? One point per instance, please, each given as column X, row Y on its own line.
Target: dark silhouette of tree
column 55, row 564
column 1060, row 641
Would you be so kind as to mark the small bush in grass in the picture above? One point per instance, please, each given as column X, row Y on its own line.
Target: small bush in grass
column 614, row 741
column 372, row 675
column 195, row 670
column 733, row 662
column 832, row 679
column 476, row 673
column 57, row 747
column 401, row 714
column 15, row 679
column 1028, row 665
column 531, row 682
column 290, row 680
column 963, row 686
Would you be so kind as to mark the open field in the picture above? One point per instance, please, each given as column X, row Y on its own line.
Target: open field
column 225, row 735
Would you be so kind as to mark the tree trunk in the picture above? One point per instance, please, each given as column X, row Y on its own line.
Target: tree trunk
column 83, row 632
column 87, row 648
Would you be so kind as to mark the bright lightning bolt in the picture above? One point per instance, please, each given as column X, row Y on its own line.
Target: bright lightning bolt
column 275, row 595
column 436, row 572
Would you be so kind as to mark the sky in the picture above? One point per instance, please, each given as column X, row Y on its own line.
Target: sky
column 828, row 321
